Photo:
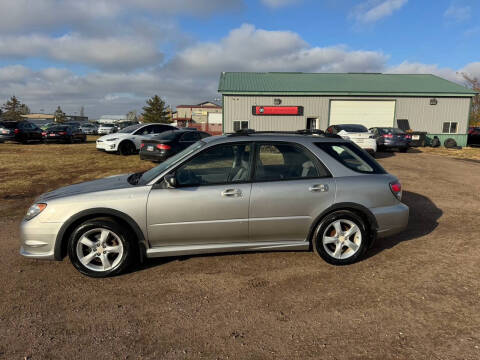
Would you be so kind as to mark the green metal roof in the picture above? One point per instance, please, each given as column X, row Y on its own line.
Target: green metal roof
column 339, row 84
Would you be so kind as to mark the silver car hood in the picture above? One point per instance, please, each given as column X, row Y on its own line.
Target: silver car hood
column 108, row 183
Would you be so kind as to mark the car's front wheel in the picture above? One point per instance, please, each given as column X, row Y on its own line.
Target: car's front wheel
column 341, row 238
column 100, row 248
column 126, row 148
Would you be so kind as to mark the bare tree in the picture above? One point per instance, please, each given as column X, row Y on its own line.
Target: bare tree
column 474, row 83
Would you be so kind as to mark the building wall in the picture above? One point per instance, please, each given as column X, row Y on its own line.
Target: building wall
column 198, row 114
column 421, row 115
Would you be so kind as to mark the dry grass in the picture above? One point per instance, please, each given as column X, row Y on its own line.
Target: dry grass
column 26, row 171
column 467, row 153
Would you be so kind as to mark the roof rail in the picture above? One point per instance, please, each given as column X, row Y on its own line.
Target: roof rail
column 247, row 132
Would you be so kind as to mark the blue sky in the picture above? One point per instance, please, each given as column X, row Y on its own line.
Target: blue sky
column 110, row 55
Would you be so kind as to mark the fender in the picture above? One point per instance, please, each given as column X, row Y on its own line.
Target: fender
column 89, row 213
column 372, row 221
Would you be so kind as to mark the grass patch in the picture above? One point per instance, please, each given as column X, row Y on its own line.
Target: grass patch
column 467, row 153
column 27, row 171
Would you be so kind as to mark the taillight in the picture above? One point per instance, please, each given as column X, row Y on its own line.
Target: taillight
column 396, row 188
column 163, row 147
column 44, row 133
column 142, row 145
column 408, row 136
column 62, row 133
column 16, row 131
column 388, row 136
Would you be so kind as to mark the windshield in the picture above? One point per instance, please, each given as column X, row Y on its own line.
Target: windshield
column 157, row 170
column 131, row 128
column 353, row 128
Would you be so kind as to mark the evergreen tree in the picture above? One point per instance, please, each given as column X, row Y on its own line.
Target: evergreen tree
column 155, row 111
column 60, row 116
column 13, row 110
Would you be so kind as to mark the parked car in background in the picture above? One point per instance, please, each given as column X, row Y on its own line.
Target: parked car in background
column 241, row 192
column 359, row 134
column 474, row 136
column 391, row 138
column 65, row 133
column 106, row 129
column 128, row 140
column 162, row 146
column 89, row 129
column 20, row 131
column 124, row 124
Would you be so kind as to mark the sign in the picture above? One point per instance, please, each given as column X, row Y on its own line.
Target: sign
column 277, row 110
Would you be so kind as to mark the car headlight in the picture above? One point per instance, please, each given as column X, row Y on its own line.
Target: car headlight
column 112, row 139
column 34, row 210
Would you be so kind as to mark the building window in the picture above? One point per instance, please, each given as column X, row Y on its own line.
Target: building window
column 449, row 127
column 238, row 125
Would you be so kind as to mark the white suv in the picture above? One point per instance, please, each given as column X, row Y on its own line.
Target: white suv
column 127, row 141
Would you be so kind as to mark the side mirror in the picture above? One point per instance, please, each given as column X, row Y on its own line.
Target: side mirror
column 171, row 180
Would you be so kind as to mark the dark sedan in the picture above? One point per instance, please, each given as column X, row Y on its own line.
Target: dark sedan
column 20, row 131
column 64, row 133
column 389, row 138
column 168, row 143
column 474, row 136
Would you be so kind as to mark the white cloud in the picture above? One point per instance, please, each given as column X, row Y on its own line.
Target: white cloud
column 458, row 13
column 279, row 3
column 372, row 11
column 107, row 53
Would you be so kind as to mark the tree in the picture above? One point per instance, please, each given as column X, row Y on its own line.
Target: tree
column 474, row 83
column 59, row 115
column 13, row 109
column 155, row 111
column 132, row 115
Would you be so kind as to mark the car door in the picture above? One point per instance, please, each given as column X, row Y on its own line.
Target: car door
column 141, row 134
column 291, row 187
column 210, row 203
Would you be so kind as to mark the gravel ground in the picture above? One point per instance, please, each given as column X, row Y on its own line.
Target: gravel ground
column 415, row 296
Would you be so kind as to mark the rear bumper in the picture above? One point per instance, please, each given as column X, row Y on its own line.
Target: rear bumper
column 38, row 239
column 55, row 138
column 145, row 155
column 391, row 219
column 369, row 145
column 395, row 144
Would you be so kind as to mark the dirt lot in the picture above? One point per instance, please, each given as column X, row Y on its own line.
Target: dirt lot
column 416, row 295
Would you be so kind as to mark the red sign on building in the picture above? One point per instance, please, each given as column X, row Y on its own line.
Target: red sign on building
column 277, row 110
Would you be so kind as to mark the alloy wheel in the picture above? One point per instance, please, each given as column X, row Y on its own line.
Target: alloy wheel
column 342, row 239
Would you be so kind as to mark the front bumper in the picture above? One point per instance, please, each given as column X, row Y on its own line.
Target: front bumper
column 38, row 239
column 391, row 219
column 106, row 145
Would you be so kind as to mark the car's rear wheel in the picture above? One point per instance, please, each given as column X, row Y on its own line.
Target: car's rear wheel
column 100, row 248
column 126, row 148
column 341, row 238
column 403, row 149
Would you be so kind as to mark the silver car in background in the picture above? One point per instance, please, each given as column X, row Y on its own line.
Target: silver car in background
column 240, row 192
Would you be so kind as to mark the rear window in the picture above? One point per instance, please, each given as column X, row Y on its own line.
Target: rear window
column 9, row 125
column 394, row 131
column 353, row 128
column 352, row 157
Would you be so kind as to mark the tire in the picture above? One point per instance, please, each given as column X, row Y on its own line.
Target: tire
column 403, row 149
column 450, row 143
column 341, row 250
column 70, row 140
column 126, row 148
column 84, row 244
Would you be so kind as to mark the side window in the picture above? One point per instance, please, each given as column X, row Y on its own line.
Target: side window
column 352, row 157
column 240, row 125
column 285, row 162
column 218, row 165
column 145, row 130
column 190, row 136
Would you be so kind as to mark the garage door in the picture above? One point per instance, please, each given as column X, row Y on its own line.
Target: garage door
column 367, row 113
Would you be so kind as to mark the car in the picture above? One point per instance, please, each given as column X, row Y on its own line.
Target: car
column 474, row 136
column 246, row 191
column 64, row 133
column 48, row 125
column 106, row 129
column 162, row 146
column 89, row 129
column 359, row 134
column 128, row 140
column 390, row 137
column 20, row 131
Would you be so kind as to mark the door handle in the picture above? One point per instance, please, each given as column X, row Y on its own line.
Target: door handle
column 318, row 188
column 232, row 193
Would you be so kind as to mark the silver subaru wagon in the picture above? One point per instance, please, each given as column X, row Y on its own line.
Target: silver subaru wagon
column 239, row 192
